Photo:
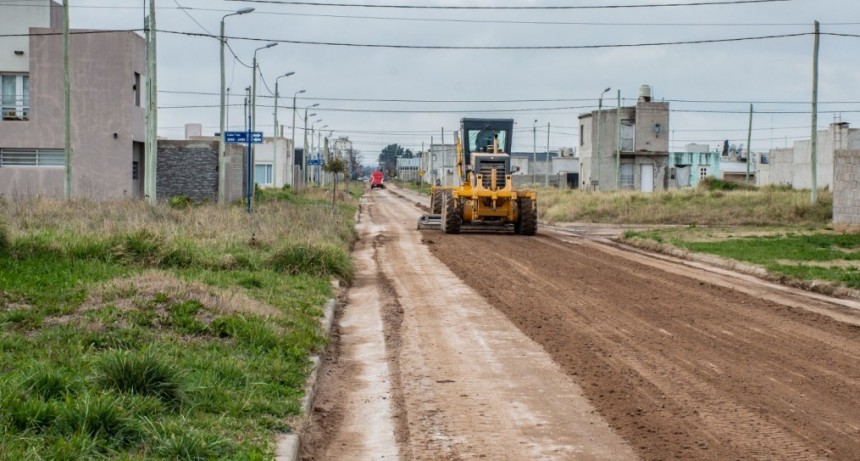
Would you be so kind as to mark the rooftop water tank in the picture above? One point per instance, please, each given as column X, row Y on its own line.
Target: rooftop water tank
column 645, row 93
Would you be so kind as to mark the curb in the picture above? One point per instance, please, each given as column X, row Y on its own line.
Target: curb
column 287, row 447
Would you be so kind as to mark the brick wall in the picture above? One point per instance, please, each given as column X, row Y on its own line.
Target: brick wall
column 190, row 169
column 846, row 187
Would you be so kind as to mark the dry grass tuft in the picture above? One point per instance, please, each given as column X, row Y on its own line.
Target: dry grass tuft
column 132, row 292
column 271, row 224
column 766, row 206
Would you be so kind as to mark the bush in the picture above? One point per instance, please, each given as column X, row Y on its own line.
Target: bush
column 321, row 260
column 714, row 184
column 141, row 374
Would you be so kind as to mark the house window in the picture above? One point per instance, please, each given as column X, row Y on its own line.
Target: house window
column 263, row 174
column 581, row 135
column 10, row 158
column 703, row 172
column 627, row 179
column 628, row 131
column 15, row 97
column 137, row 89
column 135, row 171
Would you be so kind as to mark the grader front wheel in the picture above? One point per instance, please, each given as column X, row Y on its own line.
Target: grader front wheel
column 436, row 202
column 451, row 217
column 527, row 222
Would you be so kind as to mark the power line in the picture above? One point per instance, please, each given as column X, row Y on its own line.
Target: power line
column 508, row 48
column 506, row 110
column 508, row 101
column 475, row 7
column 181, row 8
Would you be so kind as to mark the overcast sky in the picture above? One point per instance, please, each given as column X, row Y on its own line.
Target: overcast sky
column 709, row 85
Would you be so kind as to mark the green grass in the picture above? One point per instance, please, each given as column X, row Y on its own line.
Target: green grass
column 155, row 333
column 805, row 254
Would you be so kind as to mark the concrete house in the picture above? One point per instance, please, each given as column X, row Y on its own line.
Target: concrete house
column 642, row 141
column 107, row 107
column 793, row 166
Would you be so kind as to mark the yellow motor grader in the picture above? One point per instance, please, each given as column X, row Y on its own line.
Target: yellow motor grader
column 485, row 197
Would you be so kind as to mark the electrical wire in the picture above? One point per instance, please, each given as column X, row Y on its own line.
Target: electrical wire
column 533, row 7
column 506, row 48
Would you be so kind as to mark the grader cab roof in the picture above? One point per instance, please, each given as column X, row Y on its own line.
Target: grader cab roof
column 478, row 134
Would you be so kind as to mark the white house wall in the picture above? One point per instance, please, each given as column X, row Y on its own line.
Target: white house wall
column 17, row 19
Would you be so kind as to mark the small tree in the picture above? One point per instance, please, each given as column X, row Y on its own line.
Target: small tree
column 335, row 166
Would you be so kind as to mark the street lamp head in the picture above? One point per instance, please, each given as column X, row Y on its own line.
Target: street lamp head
column 245, row 10
column 300, row 91
column 271, row 44
column 607, row 90
column 312, row 115
column 288, row 74
column 314, row 105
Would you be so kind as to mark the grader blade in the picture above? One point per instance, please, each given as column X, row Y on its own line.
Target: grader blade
column 430, row 222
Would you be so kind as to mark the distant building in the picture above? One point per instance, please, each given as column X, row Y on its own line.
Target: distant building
column 108, row 80
column 640, row 133
column 408, row 168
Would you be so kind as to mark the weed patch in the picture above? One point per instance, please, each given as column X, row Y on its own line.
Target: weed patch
column 137, row 332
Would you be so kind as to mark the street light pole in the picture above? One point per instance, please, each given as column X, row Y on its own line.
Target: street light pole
column 253, row 123
column 596, row 154
column 305, row 146
column 275, row 136
column 293, row 153
column 222, row 168
column 312, row 147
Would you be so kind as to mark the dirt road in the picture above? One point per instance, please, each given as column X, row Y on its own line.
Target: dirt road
column 556, row 347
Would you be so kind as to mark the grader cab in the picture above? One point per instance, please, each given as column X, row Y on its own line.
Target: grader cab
column 484, row 197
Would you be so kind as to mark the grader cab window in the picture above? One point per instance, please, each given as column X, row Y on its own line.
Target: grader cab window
column 482, row 140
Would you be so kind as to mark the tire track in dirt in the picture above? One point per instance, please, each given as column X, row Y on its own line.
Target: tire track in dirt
column 681, row 368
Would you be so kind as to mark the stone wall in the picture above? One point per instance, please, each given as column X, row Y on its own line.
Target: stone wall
column 190, row 169
column 846, row 187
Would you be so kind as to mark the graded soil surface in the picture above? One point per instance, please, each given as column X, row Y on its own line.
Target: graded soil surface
column 506, row 347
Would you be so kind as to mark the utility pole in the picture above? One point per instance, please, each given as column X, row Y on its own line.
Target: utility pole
column 813, row 140
column 432, row 171
column 618, row 144
column 596, row 155
column 292, row 161
column 67, row 77
column 749, row 146
column 150, row 183
column 534, row 152
column 444, row 157
column 546, row 173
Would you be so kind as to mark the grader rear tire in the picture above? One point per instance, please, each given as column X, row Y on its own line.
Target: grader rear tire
column 451, row 217
column 527, row 222
column 436, row 202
